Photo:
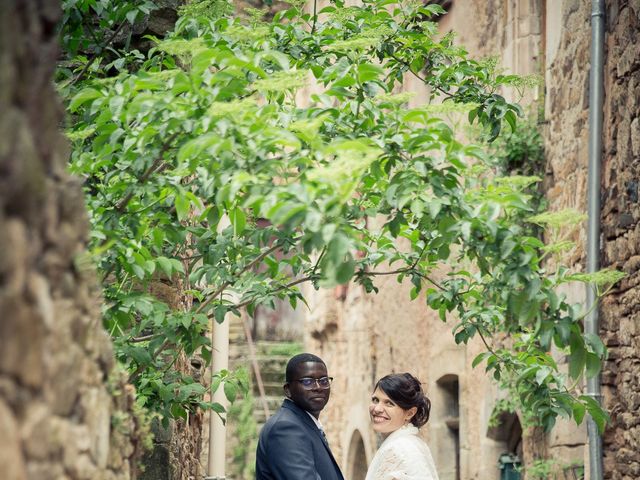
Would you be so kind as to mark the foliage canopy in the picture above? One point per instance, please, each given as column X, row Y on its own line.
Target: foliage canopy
column 239, row 158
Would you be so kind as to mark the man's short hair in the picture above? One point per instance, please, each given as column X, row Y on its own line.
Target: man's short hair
column 296, row 360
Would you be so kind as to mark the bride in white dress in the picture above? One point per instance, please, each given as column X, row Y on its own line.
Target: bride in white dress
column 398, row 408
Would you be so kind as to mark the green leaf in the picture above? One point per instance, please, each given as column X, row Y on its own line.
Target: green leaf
column 196, row 146
column 345, row 271
column 599, row 416
column 593, row 364
column 595, row 342
column 140, row 355
column 579, row 411
column 82, row 97
column 215, row 383
column 578, row 357
column 165, row 265
column 178, row 411
column 542, row 374
column 510, row 117
column 131, row 16
column 238, row 220
column 230, row 391
column 219, row 313
column 368, row 72
column 176, row 265
column 479, row 358
column 138, row 271
column 183, row 206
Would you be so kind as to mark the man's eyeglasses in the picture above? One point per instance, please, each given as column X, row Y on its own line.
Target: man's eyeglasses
column 308, row 383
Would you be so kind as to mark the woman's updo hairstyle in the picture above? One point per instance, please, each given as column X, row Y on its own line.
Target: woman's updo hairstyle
column 406, row 391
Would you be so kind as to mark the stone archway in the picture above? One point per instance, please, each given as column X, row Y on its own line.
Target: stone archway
column 445, row 426
column 356, row 458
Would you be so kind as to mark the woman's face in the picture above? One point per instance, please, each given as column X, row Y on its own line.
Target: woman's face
column 386, row 416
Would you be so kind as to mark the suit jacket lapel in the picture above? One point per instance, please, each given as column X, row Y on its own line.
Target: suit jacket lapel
column 306, row 419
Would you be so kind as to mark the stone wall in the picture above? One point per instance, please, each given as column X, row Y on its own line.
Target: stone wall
column 567, row 153
column 620, row 312
column 64, row 412
column 566, row 54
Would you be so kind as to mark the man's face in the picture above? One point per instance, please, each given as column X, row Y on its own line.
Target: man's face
column 313, row 399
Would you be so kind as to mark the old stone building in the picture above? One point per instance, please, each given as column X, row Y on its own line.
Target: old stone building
column 363, row 337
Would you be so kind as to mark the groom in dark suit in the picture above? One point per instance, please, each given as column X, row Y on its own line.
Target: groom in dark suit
column 292, row 444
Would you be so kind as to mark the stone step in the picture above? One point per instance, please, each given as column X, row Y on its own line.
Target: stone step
column 271, row 347
column 274, row 348
column 273, row 402
column 269, row 392
column 272, row 358
column 268, row 365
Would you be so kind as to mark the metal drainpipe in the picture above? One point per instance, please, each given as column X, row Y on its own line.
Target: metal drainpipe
column 591, row 324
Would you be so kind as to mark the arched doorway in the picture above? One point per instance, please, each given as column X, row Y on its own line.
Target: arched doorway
column 357, row 458
column 446, row 426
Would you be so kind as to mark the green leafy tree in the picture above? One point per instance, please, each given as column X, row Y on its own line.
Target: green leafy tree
column 203, row 168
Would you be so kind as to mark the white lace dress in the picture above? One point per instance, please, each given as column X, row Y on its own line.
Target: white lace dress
column 403, row 456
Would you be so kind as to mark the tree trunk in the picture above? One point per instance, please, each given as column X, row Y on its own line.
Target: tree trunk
column 64, row 413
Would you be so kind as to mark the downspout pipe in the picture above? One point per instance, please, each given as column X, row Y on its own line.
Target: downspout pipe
column 591, row 325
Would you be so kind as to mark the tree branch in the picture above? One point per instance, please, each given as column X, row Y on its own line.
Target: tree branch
column 155, row 167
column 143, row 338
column 93, row 57
column 315, row 16
column 279, row 289
column 423, row 80
column 247, row 267
column 134, row 376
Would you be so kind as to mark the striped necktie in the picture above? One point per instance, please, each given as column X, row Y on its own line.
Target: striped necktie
column 324, row 437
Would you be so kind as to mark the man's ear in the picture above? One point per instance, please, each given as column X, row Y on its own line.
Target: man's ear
column 287, row 393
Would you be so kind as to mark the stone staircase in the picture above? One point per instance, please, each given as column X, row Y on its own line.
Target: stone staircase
column 271, row 356
column 272, row 359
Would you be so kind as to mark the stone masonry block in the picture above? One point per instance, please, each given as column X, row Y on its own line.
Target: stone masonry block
column 22, row 338
column 635, row 137
column 12, row 464
column 96, row 407
column 39, row 433
column 527, row 54
column 529, row 25
column 566, row 433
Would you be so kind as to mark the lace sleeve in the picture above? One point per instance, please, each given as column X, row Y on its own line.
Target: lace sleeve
column 405, row 461
column 391, row 466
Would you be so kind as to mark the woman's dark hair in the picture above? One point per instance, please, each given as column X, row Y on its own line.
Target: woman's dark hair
column 406, row 391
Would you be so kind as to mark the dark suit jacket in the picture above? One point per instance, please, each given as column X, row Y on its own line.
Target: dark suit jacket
column 291, row 448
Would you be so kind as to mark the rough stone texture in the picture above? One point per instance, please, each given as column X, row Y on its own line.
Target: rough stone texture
column 620, row 312
column 567, row 152
column 186, row 443
column 64, row 413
